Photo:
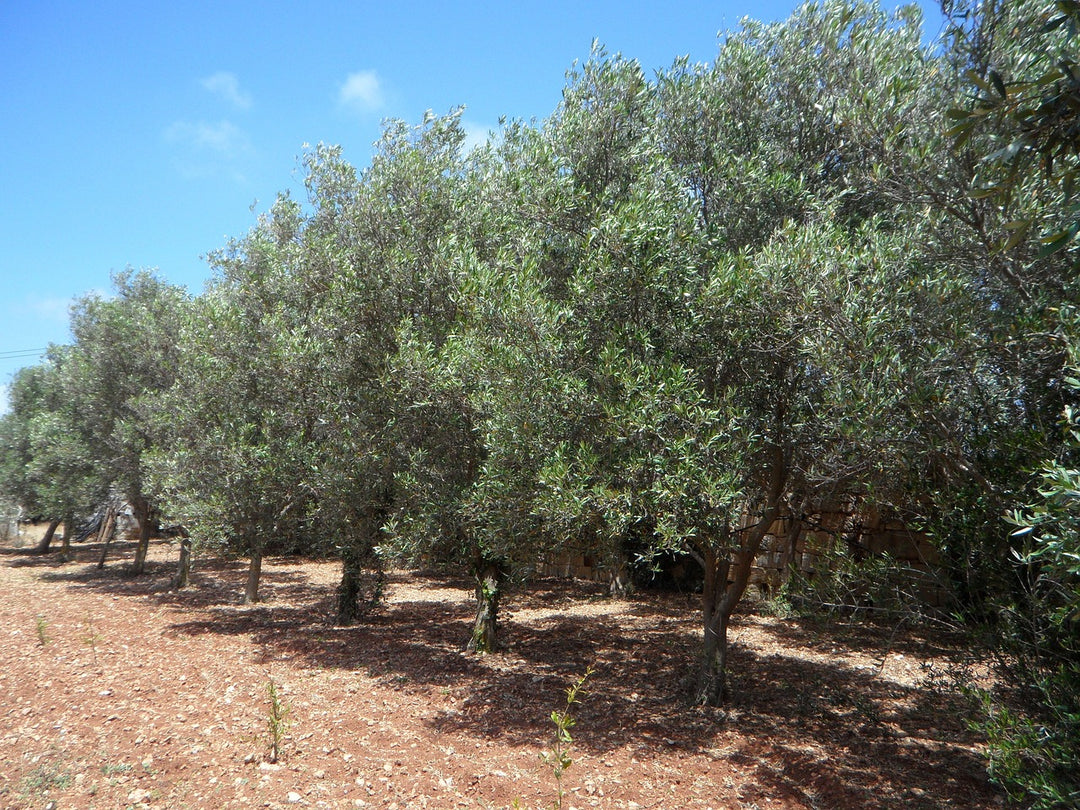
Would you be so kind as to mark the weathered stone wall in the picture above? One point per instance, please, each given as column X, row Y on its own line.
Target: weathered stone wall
column 808, row 546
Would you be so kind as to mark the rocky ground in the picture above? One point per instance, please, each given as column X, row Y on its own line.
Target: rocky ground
column 116, row 691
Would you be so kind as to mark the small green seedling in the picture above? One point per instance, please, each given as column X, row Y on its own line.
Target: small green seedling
column 277, row 721
column 42, row 627
column 92, row 637
column 558, row 758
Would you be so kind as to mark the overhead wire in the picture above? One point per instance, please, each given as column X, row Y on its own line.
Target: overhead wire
column 14, row 354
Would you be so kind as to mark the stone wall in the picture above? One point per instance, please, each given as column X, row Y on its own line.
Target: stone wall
column 807, row 545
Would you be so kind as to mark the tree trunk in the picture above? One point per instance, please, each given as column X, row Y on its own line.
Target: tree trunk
column 352, row 605
column 141, row 508
column 251, row 592
column 712, row 680
column 106, row 532
column 726, row 577
column 46, row 540
column 485, row 638
column 348, row 592
column 69, row 530
column 789, row 559
column 355, row 560
column 620, row 576
column 712, row 683
column 183, row 566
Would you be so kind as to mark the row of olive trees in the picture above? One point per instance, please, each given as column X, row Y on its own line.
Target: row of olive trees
column 676, row 309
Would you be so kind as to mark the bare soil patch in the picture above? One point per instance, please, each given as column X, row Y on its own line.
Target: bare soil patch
column 116, row 691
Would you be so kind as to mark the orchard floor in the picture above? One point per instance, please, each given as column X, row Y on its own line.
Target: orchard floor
column 116, row 691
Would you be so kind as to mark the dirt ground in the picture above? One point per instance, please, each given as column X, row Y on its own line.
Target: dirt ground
column 116, row 692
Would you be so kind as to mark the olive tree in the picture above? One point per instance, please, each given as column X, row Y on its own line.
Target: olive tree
column 45, row 460
column 125, row 352
column 236, row 431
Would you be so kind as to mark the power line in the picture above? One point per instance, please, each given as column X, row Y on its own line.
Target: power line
column 17, row 353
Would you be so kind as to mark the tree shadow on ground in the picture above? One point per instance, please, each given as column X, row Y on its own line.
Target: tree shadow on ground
column 820, row 732
column 880, row 634
column 215, row 581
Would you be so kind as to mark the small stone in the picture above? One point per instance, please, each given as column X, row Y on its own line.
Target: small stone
column 294, row 797
column 319, row 774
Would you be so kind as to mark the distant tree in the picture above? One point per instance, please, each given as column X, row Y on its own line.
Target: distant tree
column 45, row 459
column 125, row 352
column 234, row 447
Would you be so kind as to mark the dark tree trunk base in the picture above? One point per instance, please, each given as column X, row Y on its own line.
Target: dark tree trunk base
column 352, row 605
column 251, row 592
column 485, row 636
column 183, row 565
column 46, row 541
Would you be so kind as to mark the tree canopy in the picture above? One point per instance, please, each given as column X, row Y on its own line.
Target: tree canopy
column 834, row 262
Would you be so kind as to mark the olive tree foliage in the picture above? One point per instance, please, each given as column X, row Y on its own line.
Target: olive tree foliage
column 376, row 265
column 236, row 433
column 485, row 406
column 1035, row 751
column 45, row 461
column 1016, row 116
column 1029, row 99
column 483, row 378
column 731, row 352
column 125, row 353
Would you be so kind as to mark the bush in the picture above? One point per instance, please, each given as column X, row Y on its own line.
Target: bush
column 1035, row 741
column 879, row 587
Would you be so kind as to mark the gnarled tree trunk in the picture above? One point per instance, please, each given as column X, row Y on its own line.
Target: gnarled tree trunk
column 183, row 565
column 69, row 529
column 47, row 538
column 354, row 599
column 107, row 530
column 356, row 559
column 348, row 591
column 485, row 635
column 620, row 576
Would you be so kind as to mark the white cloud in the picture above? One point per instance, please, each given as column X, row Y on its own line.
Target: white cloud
column 361, row 92
column 50, row 309
column 477, row 135
column 226, row 86
column 223, row 138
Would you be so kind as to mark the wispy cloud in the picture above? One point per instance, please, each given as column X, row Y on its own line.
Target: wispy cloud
column 361, row 92
column 209, row 150
column 226, row 86
column 477, row 135
column 50, row 309
column 224, row 138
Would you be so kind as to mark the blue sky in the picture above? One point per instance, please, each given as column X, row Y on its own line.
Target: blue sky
column 146, row 134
